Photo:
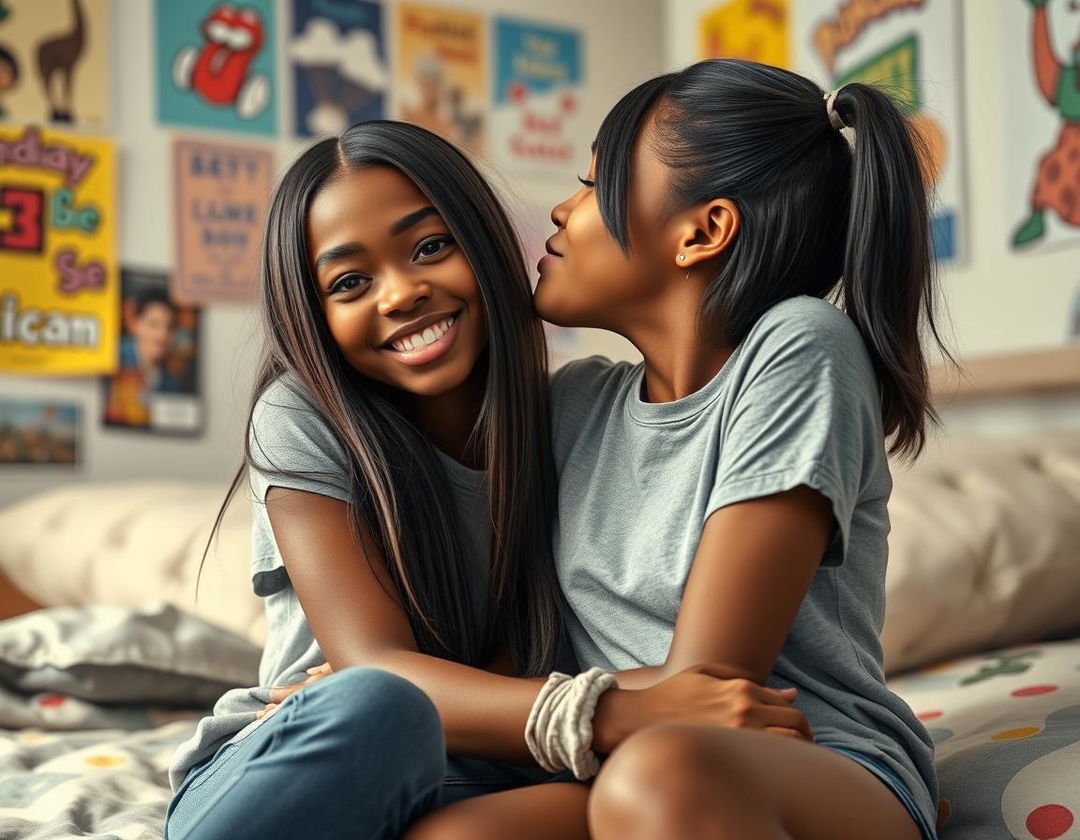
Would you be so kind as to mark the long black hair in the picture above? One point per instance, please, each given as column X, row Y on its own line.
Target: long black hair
column 819, row 215
column 400, row 494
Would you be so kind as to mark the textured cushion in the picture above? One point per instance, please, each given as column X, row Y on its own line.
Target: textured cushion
column 134, row 543
column 1006, row 726
column 109, row 654
column 984, row 549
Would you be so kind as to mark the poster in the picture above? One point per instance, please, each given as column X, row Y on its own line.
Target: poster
column 913, row 49
column 338, row 56
column 440, row 72
column 1040, row 65
column 156, row 384
column 58, row 288
column 538, row 123
column 54, row 57
column 216, row 64
column 220, row 198
column 753, row 30
column 39, row 432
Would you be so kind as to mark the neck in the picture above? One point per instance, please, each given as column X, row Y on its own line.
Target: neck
column 679, row 358
column 448, row 419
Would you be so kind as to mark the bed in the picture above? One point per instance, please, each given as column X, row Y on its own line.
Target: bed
column 981, row 639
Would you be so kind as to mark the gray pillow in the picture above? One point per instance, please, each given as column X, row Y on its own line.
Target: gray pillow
column 157, row 655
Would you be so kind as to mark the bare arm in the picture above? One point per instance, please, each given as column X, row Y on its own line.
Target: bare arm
column 1047, row 68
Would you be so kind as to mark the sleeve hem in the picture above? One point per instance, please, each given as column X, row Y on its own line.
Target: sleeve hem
column 811, row 473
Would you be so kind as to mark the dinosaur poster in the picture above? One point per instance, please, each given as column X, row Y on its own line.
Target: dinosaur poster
column 54, row 61
column 338, row 56
column 220, row 195
column 538, row 120
column 1040, row 65
column 440, row 71
column 913, row 48
column 216, row 64
column 753, row 30
column 58, row 284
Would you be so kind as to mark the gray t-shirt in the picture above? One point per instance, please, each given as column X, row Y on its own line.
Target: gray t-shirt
column 797, row 403
column 288, row 433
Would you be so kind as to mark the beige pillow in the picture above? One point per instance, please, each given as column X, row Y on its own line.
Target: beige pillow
column 134, row 543
column 985, row 547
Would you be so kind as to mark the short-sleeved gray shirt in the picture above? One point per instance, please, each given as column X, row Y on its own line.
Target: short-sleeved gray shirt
column 288, row 434
column 797, row 403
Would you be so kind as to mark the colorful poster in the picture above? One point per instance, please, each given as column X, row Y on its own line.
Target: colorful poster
column 912, row 48
column 216, row 65
column 54, row 58
column 339, row 65
column 440, row 72
column 156, row 384
column 538, row 123
column 753, row 30
column 58, row 288
column 1040, row 66
column 39, row 432
column 221, row 196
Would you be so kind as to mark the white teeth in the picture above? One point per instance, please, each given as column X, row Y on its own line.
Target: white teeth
column 422, row 339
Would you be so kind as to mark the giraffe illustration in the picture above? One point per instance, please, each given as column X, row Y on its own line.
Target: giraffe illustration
column 57, row 57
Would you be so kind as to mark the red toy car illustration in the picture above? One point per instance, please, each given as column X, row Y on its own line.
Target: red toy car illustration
column 218, row 71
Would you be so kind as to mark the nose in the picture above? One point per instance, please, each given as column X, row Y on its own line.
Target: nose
column 561, row 212
column 401, row 293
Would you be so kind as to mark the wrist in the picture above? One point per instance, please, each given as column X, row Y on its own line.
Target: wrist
column 611, row 722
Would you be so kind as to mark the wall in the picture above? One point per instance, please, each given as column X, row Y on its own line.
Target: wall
column 612, row 64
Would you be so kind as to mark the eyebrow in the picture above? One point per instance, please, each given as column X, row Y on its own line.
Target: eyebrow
column 351, row 249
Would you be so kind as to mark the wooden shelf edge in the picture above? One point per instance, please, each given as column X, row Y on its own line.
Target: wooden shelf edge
column 1042, row 372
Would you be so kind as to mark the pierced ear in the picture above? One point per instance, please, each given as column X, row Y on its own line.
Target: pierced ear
column 710, row 230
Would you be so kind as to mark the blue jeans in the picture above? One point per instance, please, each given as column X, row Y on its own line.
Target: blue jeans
column 359, row 754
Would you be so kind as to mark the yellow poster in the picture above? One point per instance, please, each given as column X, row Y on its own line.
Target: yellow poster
column 54, row 57
column 59, row 295
column 754, row 30
column 441, row 71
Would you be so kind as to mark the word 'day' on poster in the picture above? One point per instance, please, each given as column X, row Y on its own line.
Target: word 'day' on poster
column 156, row 384
column 753, row 30
column 54, row 61
column 339, row 64
column 913, row 50
column 39, row 432
column 216, row 65
column 441, row 72
column 58, row 289
column 221, row 197
column 1040, row 85
column 538, row 119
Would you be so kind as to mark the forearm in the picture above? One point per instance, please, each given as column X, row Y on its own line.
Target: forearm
column 1047, row 68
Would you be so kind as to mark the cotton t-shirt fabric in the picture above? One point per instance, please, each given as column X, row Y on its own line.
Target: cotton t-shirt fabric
column 796, row 403
column 288, row 434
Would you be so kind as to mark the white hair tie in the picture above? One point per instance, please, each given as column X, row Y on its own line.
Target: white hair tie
column 834, row 118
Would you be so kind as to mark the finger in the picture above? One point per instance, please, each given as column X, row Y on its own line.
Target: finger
column 788, row 718
column 784, row 732
column 723, row 672
column 277, row 695
column 267, row 710
column 775, row 696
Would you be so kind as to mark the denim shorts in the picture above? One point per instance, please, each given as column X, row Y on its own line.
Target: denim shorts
column 884, row 772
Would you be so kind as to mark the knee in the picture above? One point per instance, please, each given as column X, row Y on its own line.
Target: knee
column 368, row 708
column 654, row 775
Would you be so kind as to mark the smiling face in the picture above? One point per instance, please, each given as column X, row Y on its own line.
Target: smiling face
column 586, row 280
column 399, row 295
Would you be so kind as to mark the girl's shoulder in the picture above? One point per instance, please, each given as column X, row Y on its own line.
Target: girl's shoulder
column 287, row 431
column 585, row 377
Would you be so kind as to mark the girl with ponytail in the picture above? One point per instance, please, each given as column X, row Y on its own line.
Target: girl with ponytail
column 724, row 501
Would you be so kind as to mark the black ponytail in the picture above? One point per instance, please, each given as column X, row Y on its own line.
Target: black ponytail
column 888, row 286
column 818, row 217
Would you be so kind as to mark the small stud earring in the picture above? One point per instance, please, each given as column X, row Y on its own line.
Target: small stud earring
column 682, row 257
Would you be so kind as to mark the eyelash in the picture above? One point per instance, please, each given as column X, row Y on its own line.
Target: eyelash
column 586, row 183
column 445, row 241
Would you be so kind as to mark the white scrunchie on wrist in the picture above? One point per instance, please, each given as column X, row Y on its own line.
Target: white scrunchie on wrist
column 559, row 730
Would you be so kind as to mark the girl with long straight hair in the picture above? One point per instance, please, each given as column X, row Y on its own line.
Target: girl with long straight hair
column 399, row 459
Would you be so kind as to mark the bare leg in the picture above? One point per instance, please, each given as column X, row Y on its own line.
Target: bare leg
column 554, row 811
column 675, row 782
